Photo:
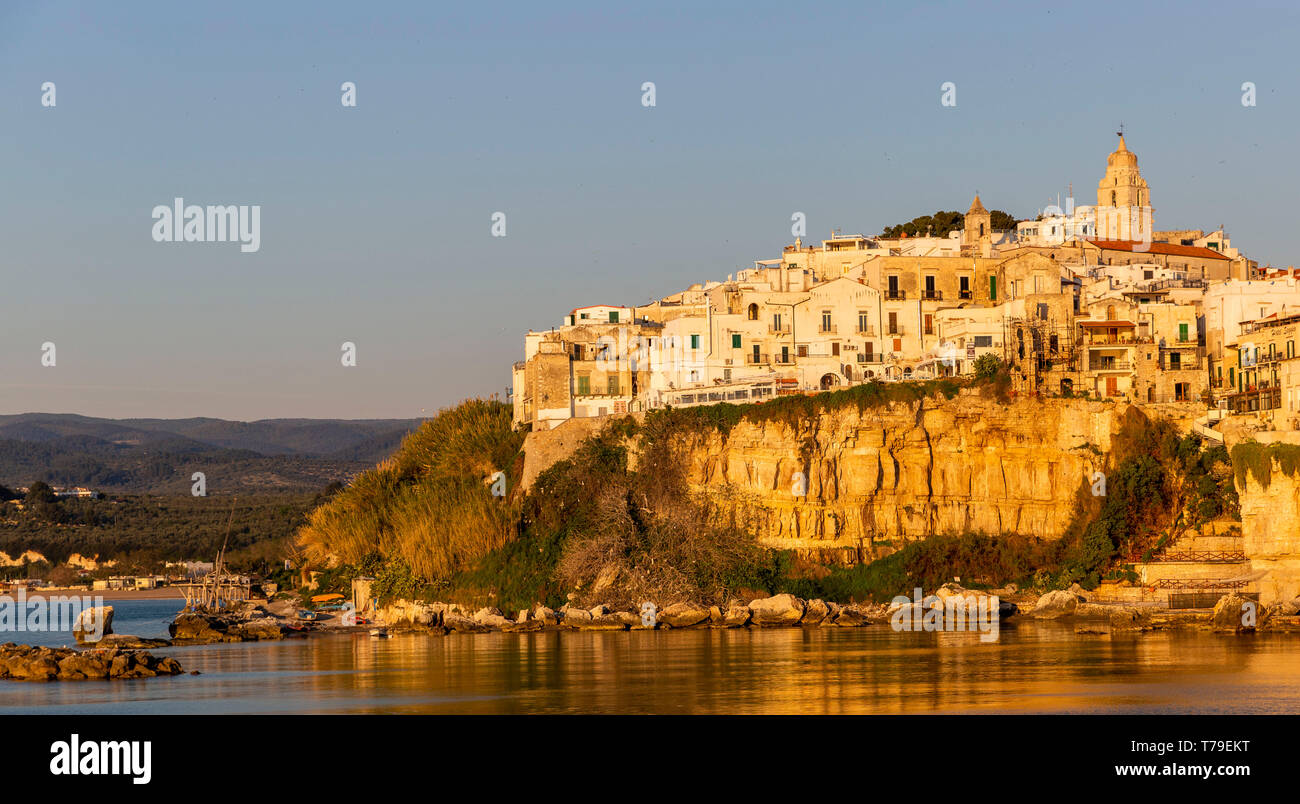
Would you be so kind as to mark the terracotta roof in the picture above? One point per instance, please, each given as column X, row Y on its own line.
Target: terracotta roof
column 1159, row 248
column 1090, row 323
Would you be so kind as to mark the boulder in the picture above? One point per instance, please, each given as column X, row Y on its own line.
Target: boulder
column 545, row 615
column 254, row 630
column 492, row 618
column 1236, row 614
column 462, row 624
column 814, row 612
column 573, row 616
column 783, row 609
column 127, row 641
column 683, row 615
column 93, row 624
column 736, row 615
column 83, row 666
column 198, row 628
column 1057, row 603
column 852, row 617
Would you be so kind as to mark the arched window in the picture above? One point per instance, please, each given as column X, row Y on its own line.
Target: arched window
column 753, row 312
column 1110, row 312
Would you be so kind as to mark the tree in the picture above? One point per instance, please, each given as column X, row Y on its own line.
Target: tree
column 987, row 366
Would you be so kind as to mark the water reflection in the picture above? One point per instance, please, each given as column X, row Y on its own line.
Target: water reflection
column 1035, row 667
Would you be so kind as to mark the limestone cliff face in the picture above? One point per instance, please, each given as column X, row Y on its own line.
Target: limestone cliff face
column 882, row 477
column 1270, row 522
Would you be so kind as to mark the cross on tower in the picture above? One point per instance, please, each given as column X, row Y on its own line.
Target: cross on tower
column 1120, row 133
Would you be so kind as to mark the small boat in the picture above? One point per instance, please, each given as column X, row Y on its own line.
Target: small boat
column 306, row 614
column 380, row 633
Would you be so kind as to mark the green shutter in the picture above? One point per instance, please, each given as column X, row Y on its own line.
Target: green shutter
column 613, row 316
column 695, row 341
column 993, row 288
column 735, row 341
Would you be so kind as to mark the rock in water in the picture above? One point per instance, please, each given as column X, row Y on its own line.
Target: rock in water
column 783, row 609
column 1236, row 614
column 815, row 611
column 1057, row 603
column 683, row 615
column 93, row 624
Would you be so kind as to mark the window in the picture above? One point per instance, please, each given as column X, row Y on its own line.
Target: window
column 993, row 288
column 835, row 348
column 1175, row 361
column 785, row 354
column 1182, row 332
column 612, row 384
column 1290, row 349
column 735, row 340
column 726, row 376
column 929, row 324
column 758, row 358
column 868, row 349
column 893, row 323
column 803, row 351
column 613, row 316
column 893, row 287
column 776, row 322
column 584, row 385
column 695, row 341
column 985, row 341
column 826, row 320
column 1042, row 312
column 864, row 321
column 753, row 312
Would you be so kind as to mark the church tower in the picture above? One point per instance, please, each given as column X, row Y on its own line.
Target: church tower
column 1124, row 210
column 977, row 227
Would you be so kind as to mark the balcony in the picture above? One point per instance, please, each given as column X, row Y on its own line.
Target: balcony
column 783, row 360
column 965, row 294
column 1109, row 365
column 895, row 295
column 932, row 295
column 869, row 332
column 828, row 330
column 752, row 359
column 895, row 332
column 778, row 330
column 868, row 357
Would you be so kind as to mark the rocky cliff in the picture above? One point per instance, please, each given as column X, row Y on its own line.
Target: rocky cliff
column 1267, row 468
column 874, row 479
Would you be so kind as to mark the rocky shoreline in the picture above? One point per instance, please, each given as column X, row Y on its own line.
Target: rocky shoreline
column 786, row 610
column 33, row 663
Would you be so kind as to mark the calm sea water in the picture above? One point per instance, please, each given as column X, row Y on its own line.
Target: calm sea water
column 1034, row 667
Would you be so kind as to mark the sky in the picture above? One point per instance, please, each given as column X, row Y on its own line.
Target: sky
column 376, row 222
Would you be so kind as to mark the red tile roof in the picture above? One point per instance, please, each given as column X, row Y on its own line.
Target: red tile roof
column 1090, row 323
column 1159, row 248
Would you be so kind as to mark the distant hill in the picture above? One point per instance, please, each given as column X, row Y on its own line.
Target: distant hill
column 158, row 456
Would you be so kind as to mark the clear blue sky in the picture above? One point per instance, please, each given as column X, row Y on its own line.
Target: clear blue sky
column 376, row 219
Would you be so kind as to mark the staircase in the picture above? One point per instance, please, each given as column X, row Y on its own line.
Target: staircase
column 1199, row 566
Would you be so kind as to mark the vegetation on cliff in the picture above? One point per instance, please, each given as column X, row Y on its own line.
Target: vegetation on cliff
column 1258, row 460
column 430, row 506
column 607, row 529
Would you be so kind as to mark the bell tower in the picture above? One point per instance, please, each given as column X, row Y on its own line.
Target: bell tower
column 977, row 226
column 1124, row 210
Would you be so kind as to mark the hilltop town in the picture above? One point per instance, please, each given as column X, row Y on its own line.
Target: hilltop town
column 1086, row 301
